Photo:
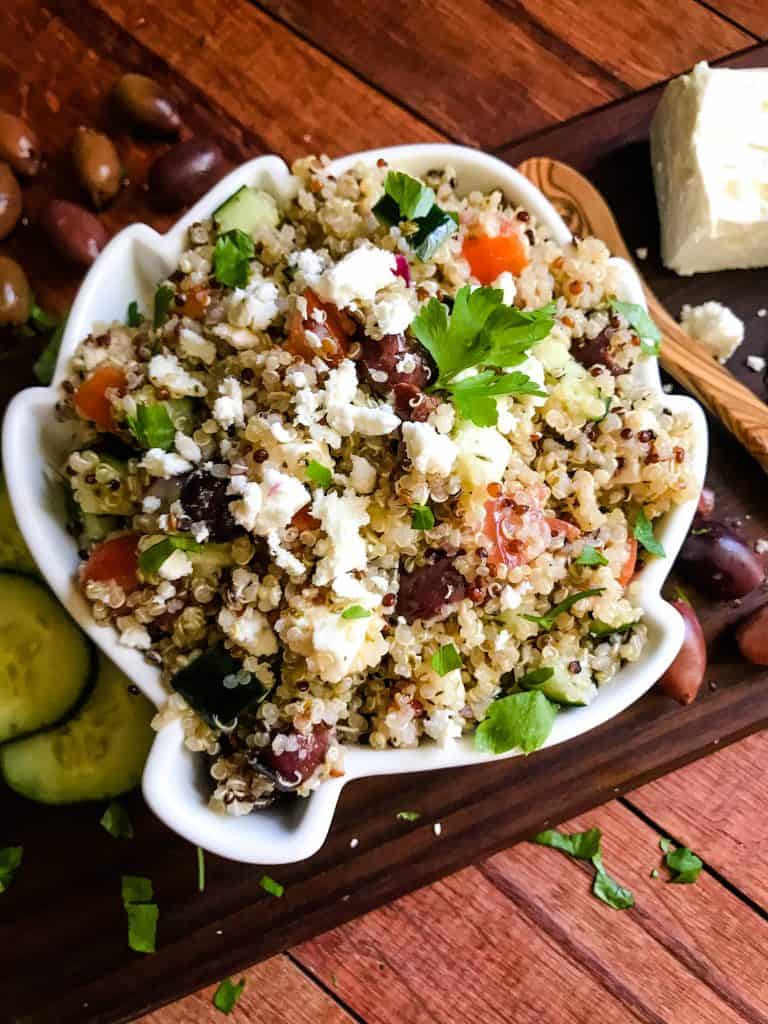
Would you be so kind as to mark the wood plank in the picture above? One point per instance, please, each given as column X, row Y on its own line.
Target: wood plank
column 751, row 15
column 550, row 61
column 274, row 990
column 523, row 931
column 718, row 805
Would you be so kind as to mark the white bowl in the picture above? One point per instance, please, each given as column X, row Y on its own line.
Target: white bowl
column 33, row 445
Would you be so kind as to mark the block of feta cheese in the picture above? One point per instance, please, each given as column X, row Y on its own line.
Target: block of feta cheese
column 714, row 326
column 709, row 149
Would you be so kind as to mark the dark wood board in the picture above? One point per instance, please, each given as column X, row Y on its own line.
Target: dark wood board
column 62, row 927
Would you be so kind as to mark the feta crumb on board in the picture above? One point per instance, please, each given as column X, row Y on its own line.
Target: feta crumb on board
column 714, row 326
column 641, row 252
column 762, row 312
column 756, row 363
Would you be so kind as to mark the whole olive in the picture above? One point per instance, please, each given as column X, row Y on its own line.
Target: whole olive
column 19, row 144
column 182, row 174
column 718, row 561
column 684, row 677
column 97, row 165
column 10, row 200
column 752, row 636
column 144, row 102
column 15, row 293
column 73, row 231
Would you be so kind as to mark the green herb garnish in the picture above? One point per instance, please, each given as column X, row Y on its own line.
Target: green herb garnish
column 680, row 595
column 587, row 846
column 231, row 258
column 406, row 198
column 152, row 426
column 642, row 531
column 116, row 821
column 591, row 556
column 601, row 629
column 271, row 886
column 45, row 364
column 422, row 517
column 356, row 611
column 445, row 659
column 546, row 622
column 685, row 865
column 638, row 319
column 408, row 815
column 475, row 397
column 151, row 558
column 536, row 677
column 163, row 301
column 665, row 845
column 133, row 317
column 319, row 474
column 10, row 862
column 142, row 913
column 200, row 869
column 41, row 320
column 433, row 230
column 227, row 994
column 521, row 720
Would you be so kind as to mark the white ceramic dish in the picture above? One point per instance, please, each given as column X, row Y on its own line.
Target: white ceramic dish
column 33, row 444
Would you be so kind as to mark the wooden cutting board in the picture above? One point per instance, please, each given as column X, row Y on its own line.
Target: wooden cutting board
column 62, row 927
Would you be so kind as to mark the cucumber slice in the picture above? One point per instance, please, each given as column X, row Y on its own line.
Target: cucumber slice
column 572, row 689
column 99, row 753
column 94, row 528
column 46, row 663
column 211, row 558
column 248, row 209
column 14, row 553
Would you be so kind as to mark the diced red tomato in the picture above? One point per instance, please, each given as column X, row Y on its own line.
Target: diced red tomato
column 116, row 559
column 195, row 303
column 332, row 327
column 628, row 569
column 571, row 531
column 488, row 257
column 516, row 528
column 91, row 399
column 304, row 520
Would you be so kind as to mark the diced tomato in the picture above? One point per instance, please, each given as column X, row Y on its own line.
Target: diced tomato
column 488, row 257
column 571, row 531
column 628, row 569
column 332, row 327
column 195, row 303
column 516, row 529
column 304, row 520
column 116, row 559
column 91, row 399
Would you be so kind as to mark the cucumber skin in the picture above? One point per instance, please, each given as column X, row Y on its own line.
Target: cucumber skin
column 17, row 557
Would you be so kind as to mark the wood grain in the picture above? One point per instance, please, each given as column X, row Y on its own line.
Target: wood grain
column 751, row 15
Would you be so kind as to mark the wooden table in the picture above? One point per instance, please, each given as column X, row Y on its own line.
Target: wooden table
column 517, row 938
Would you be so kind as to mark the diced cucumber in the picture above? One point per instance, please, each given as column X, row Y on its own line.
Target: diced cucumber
column 572, row 689
column 248, row 209
column 97, row 754
column 210, row 558
column 201, row 684
column 94, row 528
column 182, row 413
column 46, row 663
column 14, row 553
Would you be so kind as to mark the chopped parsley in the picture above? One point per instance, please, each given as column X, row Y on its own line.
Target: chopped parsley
column 142, row 913
column 45, row 364
column 319, row 474
column 133, row 317
column 116, row 821
column 433, row 230
column 163, row 301
column 665, row 845
column 227, row 994
column 356, row 611
column 445, row 659
column 587, row 846
column 475, row 397
column 231, row 258
column 10, row 862
column 546, row 622
column 151, row 558
column 408, row 815
column 591, row 556
column 41, row 320
column 271, row 886
column 642, row 531
column 422, row 517
column 684, row 864
column 536, row 677
column 601, row 629
column 638, row 319
column 407, row 198
column 200, row 869
column 522, row 720
column 152, row 426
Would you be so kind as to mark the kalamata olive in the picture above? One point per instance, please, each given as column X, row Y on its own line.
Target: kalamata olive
column 97, row 165
column 428, row 590
column 752, row 636
column 184, row 173
column 391, row 360
column 299, row 755
column 73, row 231
column 706, row 505
column 10, row 200
column 146, row 104
column 19, row 144
column 596, row 351
column 413, row 404
column 684, row 676
column 204, row 499
column 718, row 561
column 15, row 293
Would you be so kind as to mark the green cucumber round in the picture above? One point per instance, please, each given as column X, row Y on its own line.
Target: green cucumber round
column 14, row 553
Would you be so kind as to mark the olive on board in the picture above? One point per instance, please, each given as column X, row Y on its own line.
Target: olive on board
column 718, row 561
column 73, row 231
column 146, row 104
column 19, row 144
column 97, row 165
column 182, row 174
column 15, row 293
column 684, row 677
column 752, row 636
column 10, row 200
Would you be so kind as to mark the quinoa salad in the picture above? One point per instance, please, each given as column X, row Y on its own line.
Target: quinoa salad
column 373, row 468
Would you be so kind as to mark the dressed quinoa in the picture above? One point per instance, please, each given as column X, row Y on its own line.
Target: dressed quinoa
column 335, row 494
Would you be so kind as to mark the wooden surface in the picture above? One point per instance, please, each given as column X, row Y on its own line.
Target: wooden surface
column 517, row 938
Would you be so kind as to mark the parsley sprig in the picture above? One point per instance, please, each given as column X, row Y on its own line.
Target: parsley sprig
column 407, row 199
column 547, row 621
column 587, row 846
column 522, row 720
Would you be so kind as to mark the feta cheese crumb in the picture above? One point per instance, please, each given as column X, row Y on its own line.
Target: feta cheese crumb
column 283, row 558
column 150, row 504
column 334, row 647
column 394, row 313
column 228, row 407
column 270, row 505
column 195, row 346
column 133, row 634
column 341, row 517
column 176, row 565
column 166, row 371
column 164, row 464
column 762, row 312
column 186, row 447
column 363, row 475
column 756, row 363
column 429, row 451
column 507, row 283
column 437, row 828
column 641, row 252
column 357, row 276
column 347, row 418
column 715, row 326
column 254, row 307
column 250, row 630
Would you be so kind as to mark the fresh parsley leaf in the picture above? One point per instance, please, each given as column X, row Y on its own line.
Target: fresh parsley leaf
column 356, row 611
column 546, row 622
column 408, row 815
column 536, row 677
column 587, row 846
column 136, row 889
column 445, row 659
column 638, row 319
column 591, row 556
column 45, row 364
column 227, row 994
column 686, row 865
column 151, row 558
column 10, row 862
column 475, row 397
column 422, row 517
column 40, row 320
column 116, row 821
column 665, row 845
column 521, row 720
column 642, row 531
column 200, row 869
column 609, row 891
column 142, row 913
column 152, row 426
column 163, row 301
column 319, row 474
column 406, row 198
column 271, row 886
column 600, row 628
column 412, row 198
column 133, row 317
column 231, row 258
column 433, row 230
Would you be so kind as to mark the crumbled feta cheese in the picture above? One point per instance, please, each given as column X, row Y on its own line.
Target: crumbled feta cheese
column 762, row 312
column 228, row 408
column 186, row 447
column 443, row 418
column 715, row 326
column 357, row 276
column 195, row 346
column 270, row 505
column 254, row 307
column 363, row 475
column 641, row 252
column 165, row 371
column 344, row 416
column 306, row 406
column 334, row 647
column 200, row 532
column 164, row 464
column 150, row 504
column 176, row 565
column 283, row 558
column 507, row 283
column 250, row 630
column 347, row 587
column 429, row 451
column 509, row 599
column 393, row 313
column 309, row 264
column 241, row 338
column 341, row 517
column 756, row 363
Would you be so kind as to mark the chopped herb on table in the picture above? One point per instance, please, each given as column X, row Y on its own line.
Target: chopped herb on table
column 116, row 821
column 200, row 869
column 587, row 846
column 682, row 862
column 142, row 913
column 10, row 862
column 227, row 994
column 271, row 886
column 408, row 815
column 521, row 720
